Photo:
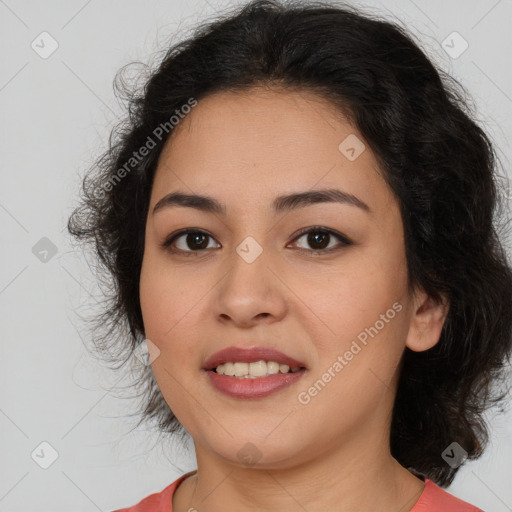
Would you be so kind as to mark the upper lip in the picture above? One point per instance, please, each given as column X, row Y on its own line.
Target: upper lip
column 245, row 355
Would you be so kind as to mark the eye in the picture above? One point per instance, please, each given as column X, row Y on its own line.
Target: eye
column 197, row 240
column 319, row 237
column 193, row 238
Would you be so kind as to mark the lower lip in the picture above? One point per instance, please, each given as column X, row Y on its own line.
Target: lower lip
column 253, row 388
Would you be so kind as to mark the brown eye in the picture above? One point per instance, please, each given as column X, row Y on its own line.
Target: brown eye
column 189, row 241
column 319, row 239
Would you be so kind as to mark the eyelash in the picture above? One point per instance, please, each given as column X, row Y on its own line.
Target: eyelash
column 315, row 229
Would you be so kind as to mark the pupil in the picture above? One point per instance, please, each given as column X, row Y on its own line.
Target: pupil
column 195, row 237
column 314, row 239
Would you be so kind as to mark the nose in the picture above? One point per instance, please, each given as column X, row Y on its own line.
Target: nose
column 251, row 292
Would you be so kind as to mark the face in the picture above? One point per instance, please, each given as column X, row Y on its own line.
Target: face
column 323, row 282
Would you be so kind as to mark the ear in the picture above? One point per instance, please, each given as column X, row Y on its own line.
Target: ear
column 427, row 321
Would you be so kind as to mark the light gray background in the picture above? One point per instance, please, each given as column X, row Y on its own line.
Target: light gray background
column 56, row 116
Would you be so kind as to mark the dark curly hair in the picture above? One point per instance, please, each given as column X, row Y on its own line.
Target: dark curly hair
column 439, row 163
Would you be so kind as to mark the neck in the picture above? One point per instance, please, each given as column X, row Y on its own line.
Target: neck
column 372, row 480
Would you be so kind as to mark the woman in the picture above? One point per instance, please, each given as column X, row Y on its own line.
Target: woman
column 299, row 218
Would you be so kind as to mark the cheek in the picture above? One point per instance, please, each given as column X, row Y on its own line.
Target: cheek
column 364, row 322
column 173, row 308
column 152, row 298
column 164, row 299
column 351, row 299
column 168, row 315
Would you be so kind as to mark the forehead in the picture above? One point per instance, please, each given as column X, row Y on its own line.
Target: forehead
column 247, row 147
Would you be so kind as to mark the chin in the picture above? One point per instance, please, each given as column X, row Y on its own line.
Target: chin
column 257, row 452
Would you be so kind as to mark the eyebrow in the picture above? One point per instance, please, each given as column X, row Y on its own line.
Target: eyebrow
column 279, row 204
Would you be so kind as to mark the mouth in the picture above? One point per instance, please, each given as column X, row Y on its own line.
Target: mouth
column 252, row 363
column 252, row 373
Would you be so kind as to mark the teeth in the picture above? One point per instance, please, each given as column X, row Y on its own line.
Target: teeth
column 253, row 370
column 241, row 369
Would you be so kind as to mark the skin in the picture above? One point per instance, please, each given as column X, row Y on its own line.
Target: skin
column 333, row 453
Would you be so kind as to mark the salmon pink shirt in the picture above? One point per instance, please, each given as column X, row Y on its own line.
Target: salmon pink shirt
column 432, row 499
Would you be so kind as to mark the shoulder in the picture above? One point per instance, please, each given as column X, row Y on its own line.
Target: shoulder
column 436, row 499
column 157, row 502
